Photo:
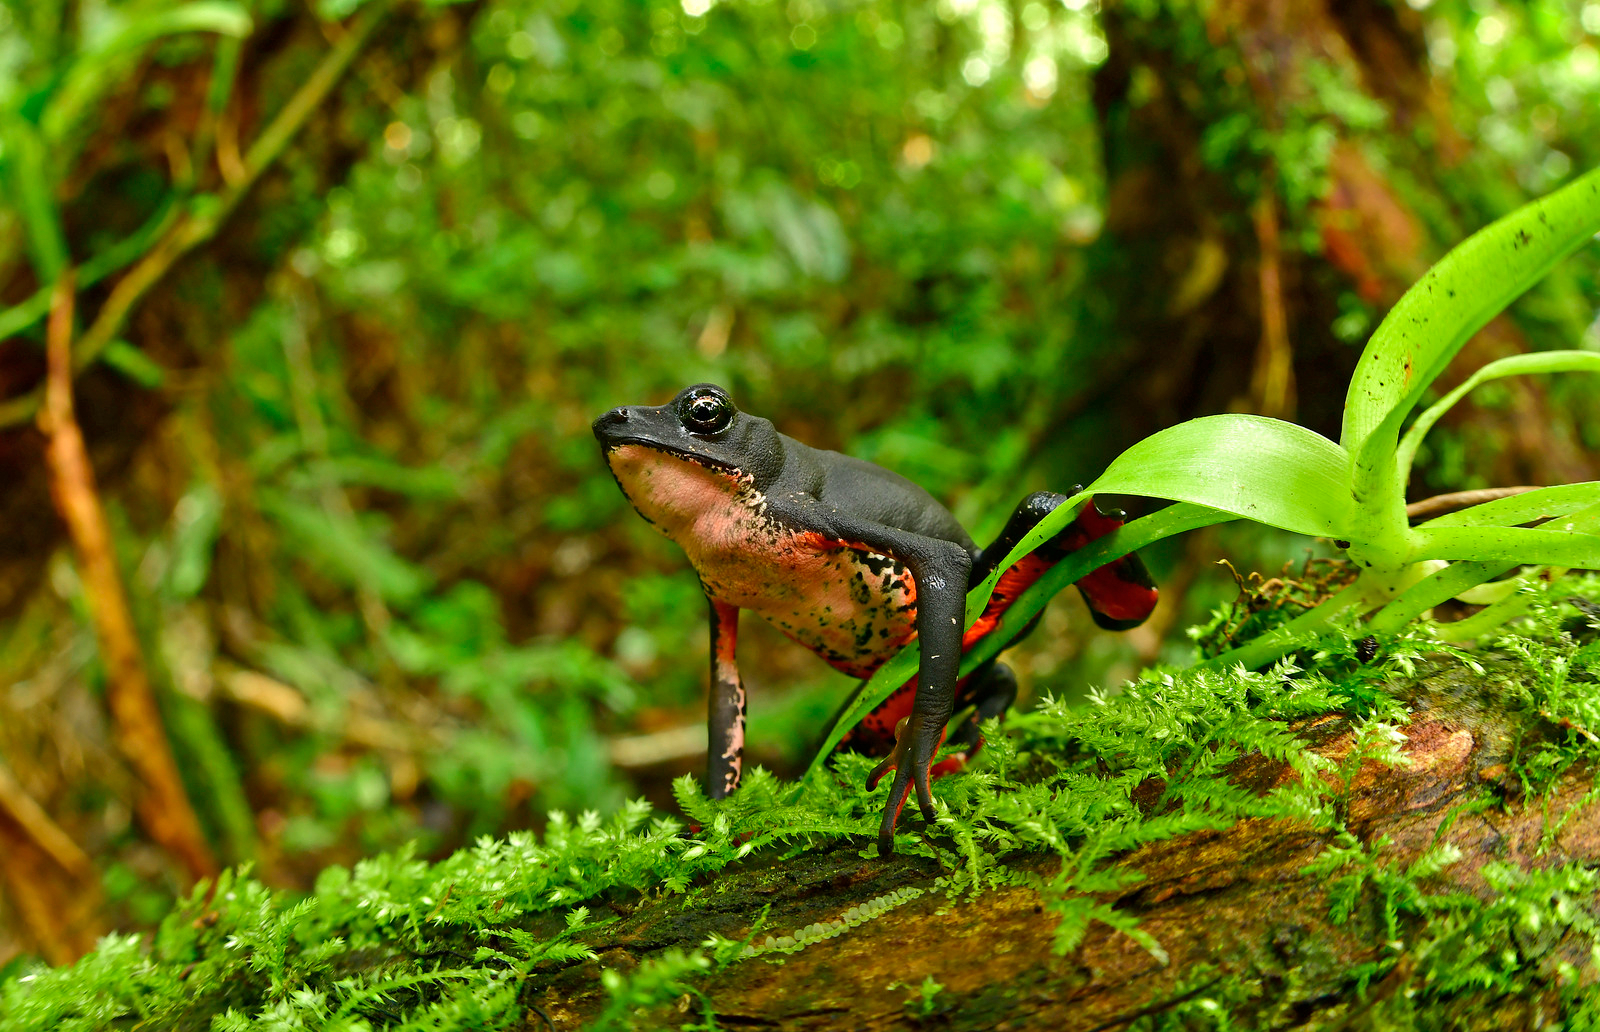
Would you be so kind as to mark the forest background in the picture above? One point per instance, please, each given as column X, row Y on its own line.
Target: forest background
column 355, row 276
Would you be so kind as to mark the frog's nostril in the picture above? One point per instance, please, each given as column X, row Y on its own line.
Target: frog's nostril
column 615, row 418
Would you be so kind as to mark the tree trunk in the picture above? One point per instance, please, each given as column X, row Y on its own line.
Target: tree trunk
column 1243, row 923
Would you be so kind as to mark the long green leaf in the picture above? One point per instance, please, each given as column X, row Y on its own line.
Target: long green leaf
column 96, row 66
column 1542, row 503
column 1515, row 365
column 1426, row 329
column 1174, row 519
column 31, row 189
column 1432, row 590
column 1460, row 576
column 1164, row 523
column 24, row 314
column 1454, row 299
column 1490, row 618
column 1274, row 644
column 1543, row 545
column 1263, row 469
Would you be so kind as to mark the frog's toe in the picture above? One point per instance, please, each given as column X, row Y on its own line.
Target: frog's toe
column 898, row 793
column 895, row 758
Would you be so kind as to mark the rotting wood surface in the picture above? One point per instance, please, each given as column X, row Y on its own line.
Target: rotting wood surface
column 1228, row 903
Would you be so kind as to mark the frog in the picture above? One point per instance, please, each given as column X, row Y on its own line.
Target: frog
column 853, row 561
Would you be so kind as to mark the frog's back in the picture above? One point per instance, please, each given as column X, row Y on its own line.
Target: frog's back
column 871, row 492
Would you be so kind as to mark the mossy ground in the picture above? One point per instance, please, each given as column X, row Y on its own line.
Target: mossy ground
column 1050, row 850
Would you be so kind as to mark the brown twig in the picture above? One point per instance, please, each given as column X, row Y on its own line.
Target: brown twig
column 1438, row 505
column 59, row 909
column 162, row 804
column 30, row 817
column 200, row 225
column 52, row 883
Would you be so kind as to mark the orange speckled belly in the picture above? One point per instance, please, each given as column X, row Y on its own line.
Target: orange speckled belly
column 849, row 605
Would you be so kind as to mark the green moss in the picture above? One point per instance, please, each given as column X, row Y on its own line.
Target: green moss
column 399, row 943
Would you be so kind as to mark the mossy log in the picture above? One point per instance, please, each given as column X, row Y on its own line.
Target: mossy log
column 1238, row 915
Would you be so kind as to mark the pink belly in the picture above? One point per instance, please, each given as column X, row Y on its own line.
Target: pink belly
column 850, row 606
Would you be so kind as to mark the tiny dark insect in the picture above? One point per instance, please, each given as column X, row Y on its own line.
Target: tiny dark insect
column 1367, row 648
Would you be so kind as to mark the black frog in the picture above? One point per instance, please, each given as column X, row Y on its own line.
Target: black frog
column 850, row 560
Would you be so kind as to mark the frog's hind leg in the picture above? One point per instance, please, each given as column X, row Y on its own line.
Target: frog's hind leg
column 1120, row 594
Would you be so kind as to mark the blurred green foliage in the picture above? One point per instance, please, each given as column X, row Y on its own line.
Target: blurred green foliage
column 397, row 596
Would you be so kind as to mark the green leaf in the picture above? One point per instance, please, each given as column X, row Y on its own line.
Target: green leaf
column 24, row 314
column 31, row 187
column 1515, row 365
column 1552, row 547
column 1460, row 576
column 344, row 549
column 1164, row 523
column 1432, row 590
column 1541, row 503
column 1429, row 325
column 1263, row 469
column 1454, row 299
column 134, row 364
column 96, row 66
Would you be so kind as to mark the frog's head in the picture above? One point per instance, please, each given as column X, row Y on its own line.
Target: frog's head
column 678, row 461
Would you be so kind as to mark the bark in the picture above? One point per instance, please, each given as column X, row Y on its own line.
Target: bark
column 1235, row 904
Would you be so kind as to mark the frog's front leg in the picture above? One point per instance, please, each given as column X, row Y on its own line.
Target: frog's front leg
column 989, row 690
column 725, row 714
column 940, row 570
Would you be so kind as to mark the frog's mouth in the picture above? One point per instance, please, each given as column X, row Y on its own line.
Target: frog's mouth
column 625, row 427
column 609, row 446
column 631, row 461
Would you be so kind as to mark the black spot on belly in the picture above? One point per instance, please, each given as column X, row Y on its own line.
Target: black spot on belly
column 876, row 563
column 864, row 637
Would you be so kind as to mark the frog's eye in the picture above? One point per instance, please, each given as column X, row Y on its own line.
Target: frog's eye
column 706, row 410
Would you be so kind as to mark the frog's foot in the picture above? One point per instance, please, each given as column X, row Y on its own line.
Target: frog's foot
column 895, row 758
column 903, row 760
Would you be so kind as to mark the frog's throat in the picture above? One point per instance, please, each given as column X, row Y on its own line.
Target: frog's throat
column 677, row 492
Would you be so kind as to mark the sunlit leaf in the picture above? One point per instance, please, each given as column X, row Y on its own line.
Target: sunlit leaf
column 1429, row 325
column 1454, row 299
column 1263, row 469
column 1460, row 576
column 1558, row 547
